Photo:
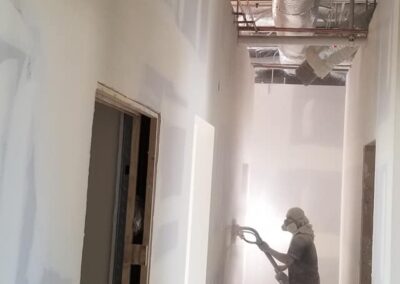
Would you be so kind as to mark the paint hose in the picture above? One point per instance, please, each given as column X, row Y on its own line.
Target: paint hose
column 251, row 236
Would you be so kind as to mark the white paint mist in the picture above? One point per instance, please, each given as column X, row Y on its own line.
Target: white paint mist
column 295, row 160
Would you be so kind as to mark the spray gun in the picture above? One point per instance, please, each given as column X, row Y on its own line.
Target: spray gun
column 251, row 236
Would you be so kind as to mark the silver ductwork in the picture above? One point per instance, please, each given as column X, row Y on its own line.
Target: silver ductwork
column 294, row 14
column 310, row 41
column 324, row 60
column 315, row 61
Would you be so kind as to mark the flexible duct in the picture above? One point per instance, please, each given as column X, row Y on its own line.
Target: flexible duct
column 294, row 14
column 322, row 66
column 315, row 61
column 321, row 61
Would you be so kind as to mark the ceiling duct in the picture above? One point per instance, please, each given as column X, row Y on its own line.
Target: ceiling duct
column 321, row 61
column 294, row 14
column 311, row 41
column 314, row 61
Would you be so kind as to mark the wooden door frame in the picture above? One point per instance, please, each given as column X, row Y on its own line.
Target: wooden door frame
column 368, row 185
column 116, row 100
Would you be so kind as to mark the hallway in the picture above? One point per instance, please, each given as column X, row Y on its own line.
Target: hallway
column 235, row 136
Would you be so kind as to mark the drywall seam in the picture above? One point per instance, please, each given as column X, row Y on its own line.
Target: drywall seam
column 12, row 27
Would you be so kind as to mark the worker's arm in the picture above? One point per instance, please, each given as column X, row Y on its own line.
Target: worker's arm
column 281, row 268
column 284, row 258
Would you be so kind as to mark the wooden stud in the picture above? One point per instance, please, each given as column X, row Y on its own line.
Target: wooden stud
column 121, row 102
column 130, row 209
column 150, row 196
column 136, row 254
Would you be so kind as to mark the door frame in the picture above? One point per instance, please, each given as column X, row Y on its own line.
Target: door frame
column 367, row 220
column 117, row 100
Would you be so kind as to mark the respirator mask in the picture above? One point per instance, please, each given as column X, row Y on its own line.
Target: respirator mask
column 290, row 226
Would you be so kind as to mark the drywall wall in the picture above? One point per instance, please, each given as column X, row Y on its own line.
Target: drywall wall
column 45, row 141
column 199, row 206
column 230, row 156
column 372, row 113
column 102, row 184
column 206, row 74
column 178, row 57
column 295, row 160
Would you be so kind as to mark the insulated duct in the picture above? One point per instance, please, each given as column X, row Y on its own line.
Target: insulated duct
column 323, row 61
column 314, row 61
column 294, row 14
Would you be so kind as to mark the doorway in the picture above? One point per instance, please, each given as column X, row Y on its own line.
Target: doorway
column 121, row 187
column 367, row 214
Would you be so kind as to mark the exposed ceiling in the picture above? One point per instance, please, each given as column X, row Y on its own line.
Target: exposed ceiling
column 302, row 41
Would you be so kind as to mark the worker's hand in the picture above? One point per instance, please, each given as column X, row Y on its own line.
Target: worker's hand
column 263, row 246
column 282, row 277
column 280, row 268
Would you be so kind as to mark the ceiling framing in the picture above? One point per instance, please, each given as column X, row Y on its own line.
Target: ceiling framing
column 340, row 22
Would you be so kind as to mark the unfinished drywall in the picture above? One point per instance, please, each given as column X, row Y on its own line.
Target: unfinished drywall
column 295, row 161
column 372, row 113
column 46, row 140
column 199, row 206
column 179, row 57
column 230, row 157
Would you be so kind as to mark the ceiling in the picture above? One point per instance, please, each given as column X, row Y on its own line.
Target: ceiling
column 336, row 23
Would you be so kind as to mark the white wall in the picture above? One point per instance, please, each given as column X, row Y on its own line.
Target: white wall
column 372, row 113
column 295, row 160
column 230, row 160
column 199, row 206
column 178, row 57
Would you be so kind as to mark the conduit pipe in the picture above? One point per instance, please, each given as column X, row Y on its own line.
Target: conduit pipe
column 333, row 31
column 256, row 61
column 276, row 41
column 295, row 66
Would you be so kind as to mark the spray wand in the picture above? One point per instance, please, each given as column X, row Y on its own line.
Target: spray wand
column 251, row 236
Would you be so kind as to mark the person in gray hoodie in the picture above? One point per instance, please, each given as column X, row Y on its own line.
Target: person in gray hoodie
column 301, row 259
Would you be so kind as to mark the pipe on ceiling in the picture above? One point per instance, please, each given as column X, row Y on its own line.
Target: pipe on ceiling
column 257, row 41
column 275, row 61
column 294, row 14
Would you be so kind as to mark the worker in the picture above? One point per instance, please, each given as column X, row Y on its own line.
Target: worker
column 301, row 259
